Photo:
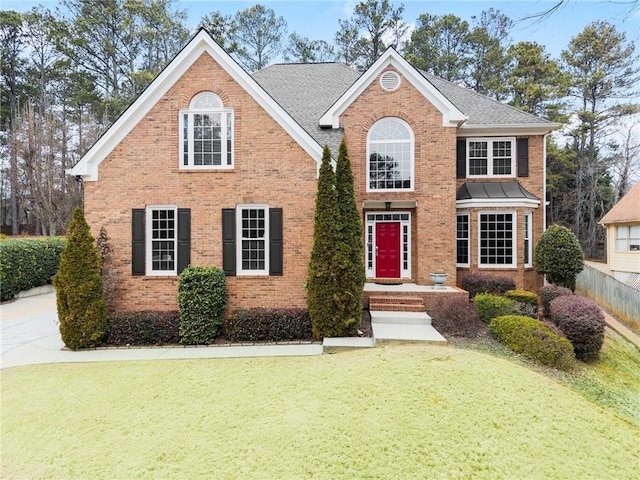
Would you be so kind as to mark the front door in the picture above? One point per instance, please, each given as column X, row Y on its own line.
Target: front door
column 388, row 250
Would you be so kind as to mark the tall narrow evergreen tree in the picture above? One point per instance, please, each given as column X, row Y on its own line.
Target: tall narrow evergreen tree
column 321, row 279
column 349, row 266
column 81, row 307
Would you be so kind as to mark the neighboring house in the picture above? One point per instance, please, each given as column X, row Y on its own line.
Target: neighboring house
column 622, row 223
column 216, row 167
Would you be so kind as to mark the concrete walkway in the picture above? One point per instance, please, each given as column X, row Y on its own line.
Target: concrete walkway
column 29, row 335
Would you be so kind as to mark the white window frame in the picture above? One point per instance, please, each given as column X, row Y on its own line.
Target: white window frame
column 226, row 129
column 239, row 238
column 627, row 238
column 410, row 141
column 149, row 239
column 514, row 241
column 490, row 166
column 404, row 218
column 468, row 239
column 634, row 239
column 527, row 239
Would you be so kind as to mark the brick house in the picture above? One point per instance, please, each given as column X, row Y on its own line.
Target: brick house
column 213, row 166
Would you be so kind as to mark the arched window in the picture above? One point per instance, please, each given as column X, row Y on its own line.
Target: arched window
column 390, row 154
column 206, row 133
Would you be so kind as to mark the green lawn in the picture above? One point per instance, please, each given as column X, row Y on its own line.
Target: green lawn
column 396, row 412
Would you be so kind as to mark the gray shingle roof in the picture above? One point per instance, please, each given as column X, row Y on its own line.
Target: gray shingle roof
column 307, row 90
column 501, row 190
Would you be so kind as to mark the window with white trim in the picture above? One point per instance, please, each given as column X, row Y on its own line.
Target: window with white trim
column 497, row 239
column 162, row 244
column 253, row 239
column 527, row 243
column 206, row 134
column 462, row 240
column 491, row 157
column 628, row 238
column 390, row 156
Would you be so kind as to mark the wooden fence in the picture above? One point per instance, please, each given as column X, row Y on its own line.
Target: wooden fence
column 621, row 300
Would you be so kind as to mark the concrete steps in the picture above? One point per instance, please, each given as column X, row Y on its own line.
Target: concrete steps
column 403, row 327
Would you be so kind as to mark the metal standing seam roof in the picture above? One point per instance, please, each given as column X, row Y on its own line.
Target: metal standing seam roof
column 493, row 190
column 307, row 90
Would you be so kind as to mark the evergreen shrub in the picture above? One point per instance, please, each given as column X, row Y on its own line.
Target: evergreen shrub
column 550, row 292
column 456, row 316
column 559, row 256
column 482, row 283
column 81, row 307
column 582, row 322
column 534, row 340
column 527, row 302
column 202, row 296
column 28, row 263
column 143, row 328
column 268, row 325
column 490, row 306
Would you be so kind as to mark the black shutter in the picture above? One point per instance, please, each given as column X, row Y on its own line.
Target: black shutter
column 461, row 158
column 523, row 157
column 184, row 238
column 137, row 241
column 229, row 241
column 275, row 241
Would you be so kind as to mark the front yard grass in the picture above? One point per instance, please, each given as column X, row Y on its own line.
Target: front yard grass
column 395, row 412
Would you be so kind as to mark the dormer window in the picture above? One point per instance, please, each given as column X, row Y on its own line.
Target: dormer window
column 206, row 134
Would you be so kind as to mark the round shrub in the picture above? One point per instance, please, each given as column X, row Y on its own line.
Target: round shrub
column 482, row 283
column 527, row 302
column 559, row 256
column 533, row 340
column 456, row 316
column 491, row 306
column 548, row 293
column 202, row 296
column 582, row 322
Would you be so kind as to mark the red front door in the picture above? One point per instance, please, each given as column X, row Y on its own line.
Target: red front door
column 388, row 250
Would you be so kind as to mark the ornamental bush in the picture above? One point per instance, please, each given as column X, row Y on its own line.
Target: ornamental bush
column 527, row 302
column 490, row 306
column 28, row 263
column 559, row 256
column 456, row 316
column 534, row 340
column 582, row 322
column 268, row 325
column 202, row 296
column 81, row 307
column 142, row 328
column 550, row 292
column 482, row 283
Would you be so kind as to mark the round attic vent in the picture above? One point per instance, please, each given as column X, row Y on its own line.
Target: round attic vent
column 390, row 81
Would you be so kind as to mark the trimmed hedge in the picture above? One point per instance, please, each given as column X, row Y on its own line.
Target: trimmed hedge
column 456, row 316
column 527, row 302
column 482, row 283
column 28, row 263
column 533, row 340
column 550, row 292
column 490, row 306
column 582, row 322
column 142, row 328
column 268, row 325
column 202, row 296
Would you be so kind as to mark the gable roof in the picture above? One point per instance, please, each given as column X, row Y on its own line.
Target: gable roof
column 200, row 44
column 451, row 116
column 627, row 210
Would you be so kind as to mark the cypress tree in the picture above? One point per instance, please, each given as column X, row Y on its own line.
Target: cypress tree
column 321, row 277
column 81, row 307
column 350, row 273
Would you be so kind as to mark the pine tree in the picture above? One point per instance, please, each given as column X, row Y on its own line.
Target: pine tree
column 321, row 279
column 81, row 307
column 350, row 274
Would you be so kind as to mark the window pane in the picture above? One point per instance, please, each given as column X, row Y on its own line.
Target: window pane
column 163, row 233
column 253, row 232
column 390, row 161
column 496, row 244
column 462, row 239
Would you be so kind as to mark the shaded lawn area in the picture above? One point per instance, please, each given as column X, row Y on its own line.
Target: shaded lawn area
column 390, row 412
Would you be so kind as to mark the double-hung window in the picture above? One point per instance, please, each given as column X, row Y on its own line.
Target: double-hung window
column 628, row 238
column 206, row 134
column 462, row 240
column 528, row 244
column 162, row 227
column 491, row 157
column 253, row 239
column 497, row 243
column 390, row 156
